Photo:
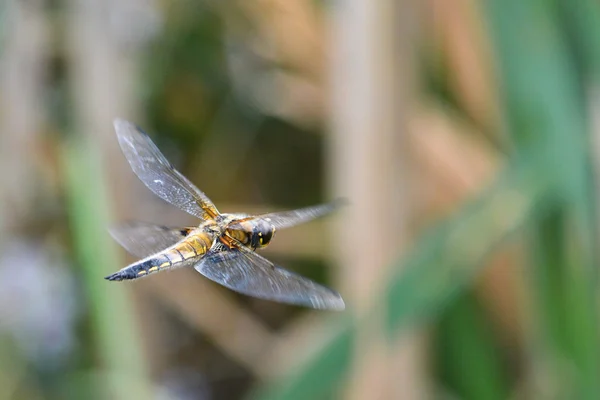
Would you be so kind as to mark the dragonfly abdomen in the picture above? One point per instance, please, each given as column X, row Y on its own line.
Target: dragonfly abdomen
column 179, row 255
column 144, row 267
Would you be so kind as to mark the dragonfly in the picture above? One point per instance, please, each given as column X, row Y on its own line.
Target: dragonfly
column 223, row 246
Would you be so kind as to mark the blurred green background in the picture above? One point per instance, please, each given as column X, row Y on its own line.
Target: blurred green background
column 466, row 135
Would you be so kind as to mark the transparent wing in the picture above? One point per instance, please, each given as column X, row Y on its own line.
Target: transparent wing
column 246, row 272
column 286, row 219
column 151, row 166
column 142, row 240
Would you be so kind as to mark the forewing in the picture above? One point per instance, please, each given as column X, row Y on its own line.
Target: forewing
column 286, row 219
column 142, row 239
column 246, row 272
column 151, row 166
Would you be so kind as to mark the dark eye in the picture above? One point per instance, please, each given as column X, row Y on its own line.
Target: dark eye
column 266, row 237
column 262, row 235
column 255, row 240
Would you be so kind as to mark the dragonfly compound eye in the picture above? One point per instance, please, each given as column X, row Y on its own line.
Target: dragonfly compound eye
column 262, row 234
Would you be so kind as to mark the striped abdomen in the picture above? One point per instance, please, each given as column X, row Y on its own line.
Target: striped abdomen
column 180, row 254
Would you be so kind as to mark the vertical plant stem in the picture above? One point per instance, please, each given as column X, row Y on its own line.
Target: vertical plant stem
column 372, row 72
column 118, row 340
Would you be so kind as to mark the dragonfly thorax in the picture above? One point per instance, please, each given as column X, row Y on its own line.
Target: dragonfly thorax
column 255, row 233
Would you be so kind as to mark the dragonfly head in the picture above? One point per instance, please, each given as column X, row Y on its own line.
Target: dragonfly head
column 255, row 233
column 262, row 233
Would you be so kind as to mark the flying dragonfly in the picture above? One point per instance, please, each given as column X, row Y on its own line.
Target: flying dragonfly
column 223, row 246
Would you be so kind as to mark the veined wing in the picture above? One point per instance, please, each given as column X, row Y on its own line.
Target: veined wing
column 286, row 219
column 142, row 239
column 151, row 166
column 246, row 272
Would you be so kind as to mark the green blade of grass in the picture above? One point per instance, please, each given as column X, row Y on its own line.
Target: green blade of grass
column 470, row 360
column 582, row 19
column 117, row 339
column 444, row 262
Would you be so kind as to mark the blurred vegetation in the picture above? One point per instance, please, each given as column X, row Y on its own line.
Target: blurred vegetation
column 546, row 191
column 219, row 130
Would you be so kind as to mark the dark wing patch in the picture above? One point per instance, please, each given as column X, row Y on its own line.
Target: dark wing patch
column 286, row 219
column 151, row 166
column 142, row 239
column 248, row 273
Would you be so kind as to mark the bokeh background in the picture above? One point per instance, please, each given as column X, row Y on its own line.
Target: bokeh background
column 464, row 133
